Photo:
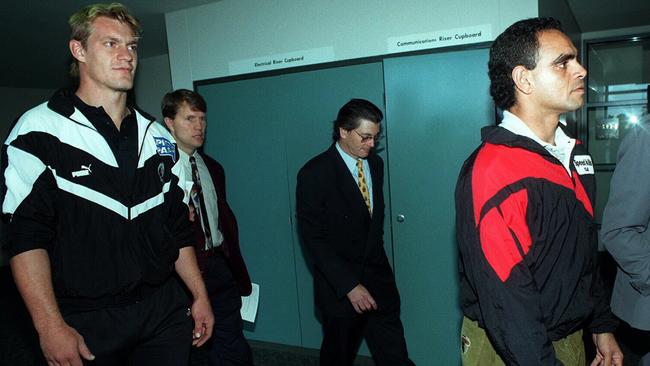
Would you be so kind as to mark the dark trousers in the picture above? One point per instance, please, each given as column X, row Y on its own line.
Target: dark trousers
column 154, row 331
column 382, row 330
column 227, row 346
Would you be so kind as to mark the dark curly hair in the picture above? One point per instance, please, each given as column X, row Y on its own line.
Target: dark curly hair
column 517, row 45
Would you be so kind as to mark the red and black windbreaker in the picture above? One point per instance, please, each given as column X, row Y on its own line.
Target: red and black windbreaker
column 528, row 247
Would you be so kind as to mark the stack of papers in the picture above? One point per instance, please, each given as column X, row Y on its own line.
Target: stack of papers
column 249, row 304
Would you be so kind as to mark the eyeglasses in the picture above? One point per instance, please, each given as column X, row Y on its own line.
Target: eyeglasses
column 366, row 138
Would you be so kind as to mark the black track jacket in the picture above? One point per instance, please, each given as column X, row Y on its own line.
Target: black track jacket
column 64, row 192
column 528, row 247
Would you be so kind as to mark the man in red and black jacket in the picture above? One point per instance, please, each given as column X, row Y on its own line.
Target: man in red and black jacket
column 524, row 215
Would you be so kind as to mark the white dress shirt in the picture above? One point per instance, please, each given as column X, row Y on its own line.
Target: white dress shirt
column 209, row 195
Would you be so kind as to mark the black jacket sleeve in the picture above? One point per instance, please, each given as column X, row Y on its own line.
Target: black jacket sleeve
column 29, row 191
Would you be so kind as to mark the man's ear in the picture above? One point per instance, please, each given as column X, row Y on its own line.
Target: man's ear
column 522, row 78
column 77, row 50
column 169, row 123
column 343, row 132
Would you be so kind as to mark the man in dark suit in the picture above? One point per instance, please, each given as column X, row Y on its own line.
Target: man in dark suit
column 340, row 209
column 223, row 268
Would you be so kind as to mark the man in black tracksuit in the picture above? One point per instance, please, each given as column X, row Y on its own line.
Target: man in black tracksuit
column 524, row 215
column 96, row 210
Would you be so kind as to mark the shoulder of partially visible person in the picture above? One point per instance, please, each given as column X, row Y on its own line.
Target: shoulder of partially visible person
column 144, row 114
column 159, row 149
column 28, row 151
column 636, row 131
column 491, row 161
column 37, row 119
column 489, row 170
column 377, row 164
column 160, row 140
column 376, row 158
column 30, row 143
column 317, row 165
column 210, row 162
column 157, row 128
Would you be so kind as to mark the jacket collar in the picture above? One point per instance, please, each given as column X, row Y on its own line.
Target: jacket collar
column 500, row 136
column 62, row 103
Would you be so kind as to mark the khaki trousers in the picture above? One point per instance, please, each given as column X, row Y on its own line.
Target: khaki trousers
column 477, row 350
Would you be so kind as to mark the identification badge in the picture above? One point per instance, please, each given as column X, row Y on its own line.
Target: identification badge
column 583, row 164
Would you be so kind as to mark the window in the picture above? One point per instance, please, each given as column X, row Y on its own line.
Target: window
column 618, row 84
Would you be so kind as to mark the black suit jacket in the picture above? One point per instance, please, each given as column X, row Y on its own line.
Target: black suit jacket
column 343, row 241
column 228, row 227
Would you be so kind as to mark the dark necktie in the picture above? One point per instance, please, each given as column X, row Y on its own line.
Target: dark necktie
column 199, row 204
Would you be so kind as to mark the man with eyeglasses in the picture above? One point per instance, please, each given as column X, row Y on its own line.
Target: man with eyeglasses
column 340, row 210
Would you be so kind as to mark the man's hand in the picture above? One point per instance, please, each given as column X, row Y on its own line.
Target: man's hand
column 62, row 345
column 203, row 321
column 192, row 213
column 188, row 270
column 607, row 351
column 361, row 299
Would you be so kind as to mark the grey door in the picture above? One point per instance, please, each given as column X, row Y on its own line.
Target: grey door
column 436, row 105
column 263, row 130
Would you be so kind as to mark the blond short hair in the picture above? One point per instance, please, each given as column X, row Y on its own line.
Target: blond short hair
column 81, row 24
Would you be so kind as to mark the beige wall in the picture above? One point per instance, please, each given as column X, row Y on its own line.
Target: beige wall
column 152, row 81
column 205, row 40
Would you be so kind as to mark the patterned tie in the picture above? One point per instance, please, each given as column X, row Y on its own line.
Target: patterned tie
column 199, row 203
column 363, row 187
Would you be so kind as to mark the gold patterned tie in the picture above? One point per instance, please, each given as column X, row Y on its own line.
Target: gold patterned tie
column 363, row 187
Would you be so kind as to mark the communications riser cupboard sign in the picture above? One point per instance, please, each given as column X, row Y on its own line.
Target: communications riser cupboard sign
column 443, row 38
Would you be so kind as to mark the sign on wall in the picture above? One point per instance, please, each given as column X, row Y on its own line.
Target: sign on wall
column 443, row 38
column 282, row 61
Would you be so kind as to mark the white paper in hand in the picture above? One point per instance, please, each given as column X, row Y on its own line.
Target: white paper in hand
column 249, row 304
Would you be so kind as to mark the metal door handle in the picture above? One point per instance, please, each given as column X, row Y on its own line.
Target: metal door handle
column 401, row 218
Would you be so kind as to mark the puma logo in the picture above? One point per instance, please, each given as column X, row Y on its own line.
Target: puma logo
column 85, row 170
